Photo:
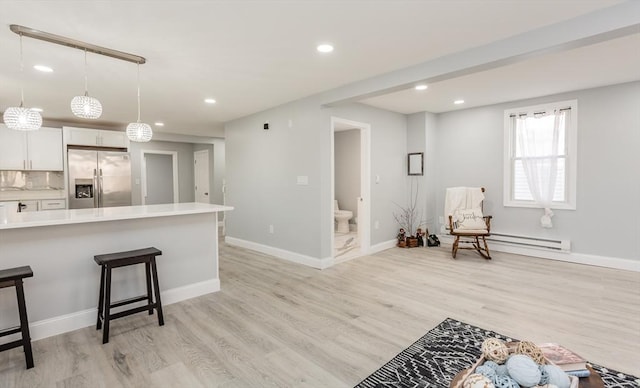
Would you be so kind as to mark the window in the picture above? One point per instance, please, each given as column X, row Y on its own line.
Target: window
column 540, row 156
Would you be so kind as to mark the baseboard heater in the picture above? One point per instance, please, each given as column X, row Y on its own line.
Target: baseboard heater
column 531, row 242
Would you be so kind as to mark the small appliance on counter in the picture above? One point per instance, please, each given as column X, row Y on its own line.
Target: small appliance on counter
column 98, row 178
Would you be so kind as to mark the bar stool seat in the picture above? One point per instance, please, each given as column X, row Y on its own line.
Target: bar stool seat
column 107, row 262
column 12, row 277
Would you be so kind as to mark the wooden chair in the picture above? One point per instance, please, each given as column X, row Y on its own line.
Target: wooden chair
column 477, row 229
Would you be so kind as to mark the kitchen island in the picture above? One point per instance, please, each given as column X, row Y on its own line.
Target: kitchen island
column 59, row 245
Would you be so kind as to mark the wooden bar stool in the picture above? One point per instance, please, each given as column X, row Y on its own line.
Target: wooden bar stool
column 13, row 278
column 122, row 259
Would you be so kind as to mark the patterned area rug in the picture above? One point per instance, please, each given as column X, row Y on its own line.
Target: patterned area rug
column 435, row 359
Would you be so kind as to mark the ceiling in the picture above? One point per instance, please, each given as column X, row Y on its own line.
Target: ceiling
column 254, row 55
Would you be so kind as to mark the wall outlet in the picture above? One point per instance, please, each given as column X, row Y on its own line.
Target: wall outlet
column 290, row 123
column 441, row 219
column 271, row 229
column 376, row 225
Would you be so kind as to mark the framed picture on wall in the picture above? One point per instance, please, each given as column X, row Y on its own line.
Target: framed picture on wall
column 415, row 163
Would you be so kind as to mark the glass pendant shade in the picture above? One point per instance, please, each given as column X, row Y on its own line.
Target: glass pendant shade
column 139, row 132
column 86, row 107
column 22, row 119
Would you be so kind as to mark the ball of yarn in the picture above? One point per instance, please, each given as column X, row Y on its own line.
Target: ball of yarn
column 557, row 376
column 501, row 370
column 544, row 375
column 491, row 364
column 532, row 350
column 486, row 371
column 523, row 370
column 477, row 380
column 505, row 382
column 495, row 350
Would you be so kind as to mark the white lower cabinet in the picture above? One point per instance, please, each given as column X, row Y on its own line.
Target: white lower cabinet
column 33, row 205
column 52, row 204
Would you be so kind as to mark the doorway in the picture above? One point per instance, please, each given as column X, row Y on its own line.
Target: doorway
column 201, row 176
column 159, row 176
column 350, row 188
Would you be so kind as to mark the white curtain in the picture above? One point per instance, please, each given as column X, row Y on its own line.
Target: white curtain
column 538, row 148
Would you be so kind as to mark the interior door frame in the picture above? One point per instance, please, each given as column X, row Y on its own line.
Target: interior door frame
column 143, row 173
column 206, row 151
column 364, row 219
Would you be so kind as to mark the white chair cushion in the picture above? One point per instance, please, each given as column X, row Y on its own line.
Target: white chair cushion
column 468, row 219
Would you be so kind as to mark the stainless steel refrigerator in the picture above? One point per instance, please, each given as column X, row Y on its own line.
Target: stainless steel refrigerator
column 98, row 178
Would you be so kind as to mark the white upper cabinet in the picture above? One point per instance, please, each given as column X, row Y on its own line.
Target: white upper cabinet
column 39, row 150
column 113, row 139
column 13, row 149
column 95, row 137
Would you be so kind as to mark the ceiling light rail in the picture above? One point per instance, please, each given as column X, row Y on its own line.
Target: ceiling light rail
column 64, row 41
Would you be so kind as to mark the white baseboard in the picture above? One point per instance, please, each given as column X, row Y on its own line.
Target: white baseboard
column 179, row 294
column 313, row 262
column 62, row 324
column 81, row 319
column 281, row 253
column 383, row 246
column 571, row 257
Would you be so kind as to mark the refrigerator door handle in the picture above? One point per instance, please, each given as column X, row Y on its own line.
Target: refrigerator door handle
column 96, row 190
column 101, row 200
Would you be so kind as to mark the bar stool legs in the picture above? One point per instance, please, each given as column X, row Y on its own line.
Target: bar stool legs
column 24, row 324
column 13, row 278
column 156, row 290
column 107, row 262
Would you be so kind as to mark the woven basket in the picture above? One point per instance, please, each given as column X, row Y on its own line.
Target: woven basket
column 459, row 379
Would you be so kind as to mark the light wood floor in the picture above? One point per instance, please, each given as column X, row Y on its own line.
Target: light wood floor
column 279, row 324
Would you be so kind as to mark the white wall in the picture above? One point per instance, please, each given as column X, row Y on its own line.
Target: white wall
column 347, row 170
column 388, row 163
column 605, row 223
column 262, row 168
column 216, row 170
column 461, row 148
column 185, row 167
column 422, row 137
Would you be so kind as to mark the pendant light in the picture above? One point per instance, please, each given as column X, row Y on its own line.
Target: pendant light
column 139, row 132
column 84, row 106
column 21, row 118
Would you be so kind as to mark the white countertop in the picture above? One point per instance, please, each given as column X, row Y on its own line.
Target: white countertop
column 79, row 216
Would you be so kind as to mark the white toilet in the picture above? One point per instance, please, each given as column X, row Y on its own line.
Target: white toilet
column 342, row 218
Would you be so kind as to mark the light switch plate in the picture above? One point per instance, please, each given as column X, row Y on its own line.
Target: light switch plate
column 302, row 180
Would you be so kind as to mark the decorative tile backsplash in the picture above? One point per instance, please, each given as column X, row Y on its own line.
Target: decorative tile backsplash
column 31, row 180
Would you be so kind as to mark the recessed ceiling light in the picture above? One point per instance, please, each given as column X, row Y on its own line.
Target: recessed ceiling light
column 458, row 102
column 421, row 87
column 37, row 109
column 324, row 48
column 209, row 100
column 43, row 68
column 159, row 124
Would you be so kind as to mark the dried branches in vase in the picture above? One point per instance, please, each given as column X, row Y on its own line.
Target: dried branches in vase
column 409, row 218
